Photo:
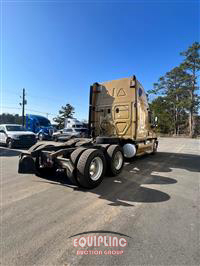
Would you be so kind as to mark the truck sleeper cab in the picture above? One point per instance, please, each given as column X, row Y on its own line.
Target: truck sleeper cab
column 119, row 114
column 119, row 126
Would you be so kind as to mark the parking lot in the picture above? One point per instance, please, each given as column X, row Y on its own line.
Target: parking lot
column 155, row 201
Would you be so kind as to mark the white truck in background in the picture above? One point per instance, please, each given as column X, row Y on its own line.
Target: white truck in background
column 73, row 123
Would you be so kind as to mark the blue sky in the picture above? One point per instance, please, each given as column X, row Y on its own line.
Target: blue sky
column 57, row 49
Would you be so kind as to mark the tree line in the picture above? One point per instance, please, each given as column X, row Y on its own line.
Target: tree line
column 177, row 101
column 6, row 118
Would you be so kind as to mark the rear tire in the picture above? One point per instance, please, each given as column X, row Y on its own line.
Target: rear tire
column 91, row 168
column 115, row 160
column 104, row 147
column 75, row 155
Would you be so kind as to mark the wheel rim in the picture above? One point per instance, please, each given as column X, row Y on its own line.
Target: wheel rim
column 96, row 168
column 118, row 160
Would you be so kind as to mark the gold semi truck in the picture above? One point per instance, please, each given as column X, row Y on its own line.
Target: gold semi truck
column 120, row 126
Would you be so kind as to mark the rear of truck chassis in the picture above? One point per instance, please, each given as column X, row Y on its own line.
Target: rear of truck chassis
column 120, row 125
column 83, row 161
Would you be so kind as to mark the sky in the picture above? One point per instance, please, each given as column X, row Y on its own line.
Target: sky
column 57, row 49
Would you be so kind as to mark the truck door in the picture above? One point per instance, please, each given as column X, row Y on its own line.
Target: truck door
column 142, row 109
column 122, row 113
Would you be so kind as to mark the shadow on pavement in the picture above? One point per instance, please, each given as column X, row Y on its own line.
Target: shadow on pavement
column 130, row 185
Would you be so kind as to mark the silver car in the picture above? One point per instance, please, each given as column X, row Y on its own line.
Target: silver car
column 65, row 133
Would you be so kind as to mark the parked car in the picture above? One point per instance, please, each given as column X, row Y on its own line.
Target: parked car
column 16, row 136
column 65, row 133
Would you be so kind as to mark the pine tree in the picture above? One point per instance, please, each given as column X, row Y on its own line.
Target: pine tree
column 162, row 108
column 66, row 111
column 191, row 64
column 173, row 86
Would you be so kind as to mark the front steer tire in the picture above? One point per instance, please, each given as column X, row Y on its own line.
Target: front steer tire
column 87, row 159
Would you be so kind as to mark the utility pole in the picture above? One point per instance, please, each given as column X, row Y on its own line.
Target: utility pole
column 23, row 107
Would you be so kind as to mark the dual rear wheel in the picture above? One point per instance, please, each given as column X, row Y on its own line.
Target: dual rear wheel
column 92, row 164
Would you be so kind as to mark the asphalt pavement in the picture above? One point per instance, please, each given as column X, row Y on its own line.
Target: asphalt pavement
column 155, row 202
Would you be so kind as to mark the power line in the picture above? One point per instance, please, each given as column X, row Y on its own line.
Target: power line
column 31, row 110
column 9, row 107
column 24, row 102
column 41, row 112
column 45, row 97
column 35, row 96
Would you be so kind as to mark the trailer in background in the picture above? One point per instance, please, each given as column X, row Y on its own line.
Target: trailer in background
column 73, row 123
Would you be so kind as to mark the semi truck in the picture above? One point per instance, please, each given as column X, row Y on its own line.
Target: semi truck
column 73, row 123
column 40, row 125
column 120, row 126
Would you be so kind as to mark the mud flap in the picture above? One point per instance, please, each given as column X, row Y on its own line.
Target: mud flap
column 26, row 165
